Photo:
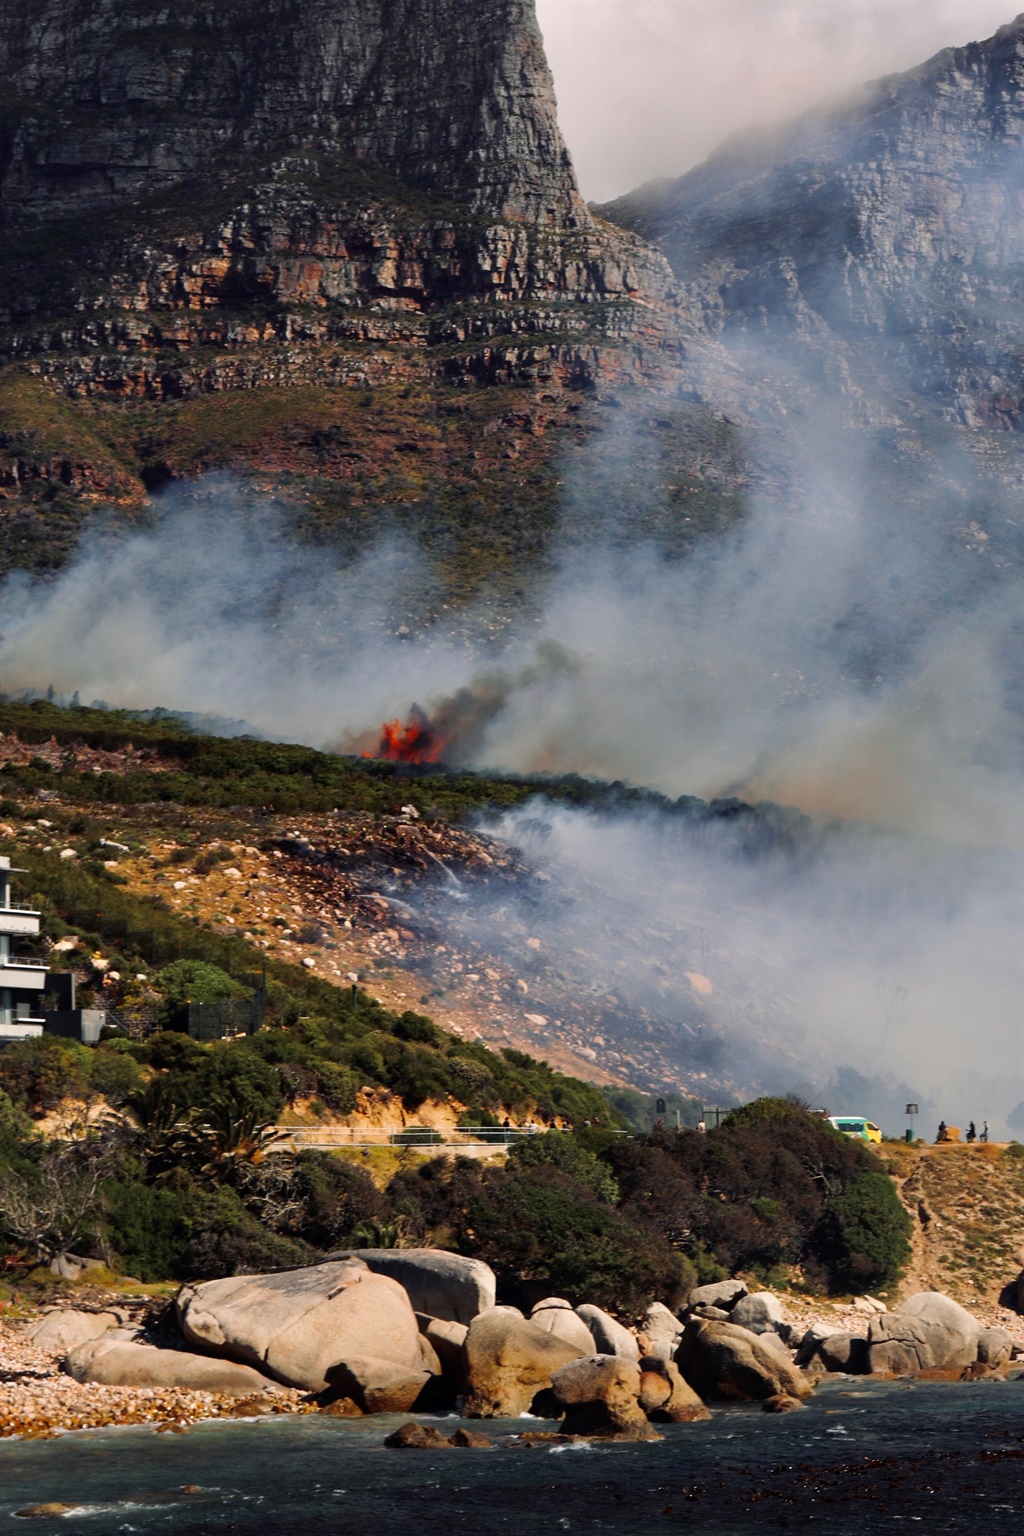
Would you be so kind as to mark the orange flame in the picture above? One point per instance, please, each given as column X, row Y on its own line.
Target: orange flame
column 414, row 742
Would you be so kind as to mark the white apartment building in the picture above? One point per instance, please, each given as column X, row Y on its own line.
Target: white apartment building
column 21, row 979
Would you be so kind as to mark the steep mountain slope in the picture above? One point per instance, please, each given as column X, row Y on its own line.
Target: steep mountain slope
column 251, row 197
column 880, row 239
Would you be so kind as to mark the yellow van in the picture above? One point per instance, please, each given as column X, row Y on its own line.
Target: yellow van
column 856, row 1125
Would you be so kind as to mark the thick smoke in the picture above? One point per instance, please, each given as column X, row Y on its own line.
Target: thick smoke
column 649, row 87
column 806, row 658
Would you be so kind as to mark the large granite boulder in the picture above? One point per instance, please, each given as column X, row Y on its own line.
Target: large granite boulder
column 444, row 1285
column 600, row 1395
column 297, row 1325
column 666, row 1395
column 760, row 1312
column 927, row 1332
column 723, row 1293
column 720, row 1360
column 662, row 1330
column 556, row 1316
column 609, row 1336
column 64, row 1328
column 115, row 1359
column 509, row 1362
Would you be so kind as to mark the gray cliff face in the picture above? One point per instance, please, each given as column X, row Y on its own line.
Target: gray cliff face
column 888, row 228
column 109, row 101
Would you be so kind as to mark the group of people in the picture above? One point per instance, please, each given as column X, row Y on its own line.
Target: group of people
column 971, row 1136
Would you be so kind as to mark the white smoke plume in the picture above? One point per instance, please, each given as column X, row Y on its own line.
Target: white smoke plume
column 749, row 669
column 648, row 88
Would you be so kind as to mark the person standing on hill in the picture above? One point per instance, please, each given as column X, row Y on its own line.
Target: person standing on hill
column 972, row 1134
column 984, row 1131
column 942, row 1131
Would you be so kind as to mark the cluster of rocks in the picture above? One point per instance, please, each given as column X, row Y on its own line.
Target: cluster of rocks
column 417, row 1330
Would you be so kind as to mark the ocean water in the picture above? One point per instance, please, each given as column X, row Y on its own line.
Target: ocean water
column 861, row 1458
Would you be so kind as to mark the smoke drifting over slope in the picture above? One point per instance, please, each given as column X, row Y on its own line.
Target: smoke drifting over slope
column 816, row 657
column 648, row 87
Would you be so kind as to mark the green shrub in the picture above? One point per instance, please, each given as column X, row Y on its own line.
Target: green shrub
column 114, row 1074
column 561, row 1150
column 195, row 981
column 863, row 1236
column 149, row 1229
column 37, row 1074
column 337, row 1086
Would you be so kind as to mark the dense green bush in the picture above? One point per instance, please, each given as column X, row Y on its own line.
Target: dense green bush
column 37, row 1074
column 863, row 1235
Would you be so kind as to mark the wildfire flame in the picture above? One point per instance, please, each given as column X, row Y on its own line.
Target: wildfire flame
column 416, row 741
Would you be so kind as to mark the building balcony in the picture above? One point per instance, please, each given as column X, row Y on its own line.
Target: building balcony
column 21, row 974
column 19, row 920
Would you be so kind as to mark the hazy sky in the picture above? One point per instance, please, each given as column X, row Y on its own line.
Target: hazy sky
column 649, row 87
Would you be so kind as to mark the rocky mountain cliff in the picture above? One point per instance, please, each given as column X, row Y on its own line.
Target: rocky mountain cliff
column 256, row 199
column 338, row 248
column 883, row 238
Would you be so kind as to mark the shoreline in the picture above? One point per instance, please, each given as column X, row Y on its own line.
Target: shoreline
column 38, row 1400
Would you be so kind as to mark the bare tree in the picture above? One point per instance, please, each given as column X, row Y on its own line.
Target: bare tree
column 47, row 1208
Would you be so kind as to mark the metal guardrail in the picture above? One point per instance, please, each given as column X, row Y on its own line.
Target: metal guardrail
column 419, row 1137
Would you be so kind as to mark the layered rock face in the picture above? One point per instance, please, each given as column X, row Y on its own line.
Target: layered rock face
column 887, row 230
column 118, row 99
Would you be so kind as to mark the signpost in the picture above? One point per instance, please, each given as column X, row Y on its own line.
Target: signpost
column 911, row 1111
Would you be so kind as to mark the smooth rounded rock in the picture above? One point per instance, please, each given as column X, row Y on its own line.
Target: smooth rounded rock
column 298, row 1324
column 760, row 1312
column 609, row 1336
column 720, row 1360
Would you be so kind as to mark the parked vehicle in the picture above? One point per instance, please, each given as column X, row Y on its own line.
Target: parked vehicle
column 856, row 1125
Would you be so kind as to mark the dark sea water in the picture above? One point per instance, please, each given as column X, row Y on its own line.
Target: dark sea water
column 862, row 1458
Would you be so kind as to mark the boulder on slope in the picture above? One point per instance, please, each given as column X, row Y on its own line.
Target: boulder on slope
column 509, row 1362
column 444, row 1285
column 760, row 1312
column 723, row 1293
column 295, row 1326
column 720, row 1360
column 116, row 1360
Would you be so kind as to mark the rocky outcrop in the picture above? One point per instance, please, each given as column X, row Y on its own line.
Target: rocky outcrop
column 509, row 1362
column 759, row 1313
column 442, row 1285
column 662, row 1331
column 116, row 1359
column 118, row 103
column 298, row 1326
column 995, row 1347
column 722, row 1294
column 722, row 1361
column 379, row 1386
column 927, row 1332
column 893, row 219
